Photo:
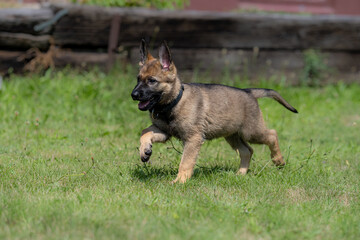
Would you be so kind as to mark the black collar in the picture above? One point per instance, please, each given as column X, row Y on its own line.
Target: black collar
column 161, row 109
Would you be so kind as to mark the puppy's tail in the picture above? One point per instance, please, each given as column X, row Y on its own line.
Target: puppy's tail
column 263, row 92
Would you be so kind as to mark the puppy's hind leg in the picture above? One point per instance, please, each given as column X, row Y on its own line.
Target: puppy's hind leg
column 243, row 149
column 273, row 142
column 270, row 138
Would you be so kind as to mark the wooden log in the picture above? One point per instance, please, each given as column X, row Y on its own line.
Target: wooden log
column 8, row 60
column 15, row 60
column 256, row 63
column 23, row 20
column 80, row 59
column 22, row 41
column 89, row 26
column 222, row 59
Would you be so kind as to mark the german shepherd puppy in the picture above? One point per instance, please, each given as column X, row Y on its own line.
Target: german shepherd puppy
column 197, row 112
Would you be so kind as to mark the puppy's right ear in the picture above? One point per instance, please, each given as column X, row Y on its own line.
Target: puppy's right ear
column 165, row 56
column 144, row 53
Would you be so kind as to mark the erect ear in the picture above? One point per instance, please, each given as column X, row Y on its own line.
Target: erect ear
column 165, row 56
column 144, row 53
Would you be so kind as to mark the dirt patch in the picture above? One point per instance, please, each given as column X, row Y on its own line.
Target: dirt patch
column 298, row 195
column 347, row 199
column 351, row 120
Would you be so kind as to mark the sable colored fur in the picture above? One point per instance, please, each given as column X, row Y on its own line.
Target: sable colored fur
column 198, row 112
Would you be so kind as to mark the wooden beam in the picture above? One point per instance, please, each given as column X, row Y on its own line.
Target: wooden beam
column 90, row 26
column 22, row 41
column 113, row 40
column 23, row 20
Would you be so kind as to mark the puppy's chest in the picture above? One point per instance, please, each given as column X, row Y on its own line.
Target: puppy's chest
column 169, row 125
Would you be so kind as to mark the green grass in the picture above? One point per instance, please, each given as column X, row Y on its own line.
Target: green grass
column 69, row 167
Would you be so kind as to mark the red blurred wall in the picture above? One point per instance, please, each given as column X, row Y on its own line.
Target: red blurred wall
column 351, row 7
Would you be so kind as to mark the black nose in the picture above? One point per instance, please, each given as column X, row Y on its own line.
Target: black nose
column 135, row 95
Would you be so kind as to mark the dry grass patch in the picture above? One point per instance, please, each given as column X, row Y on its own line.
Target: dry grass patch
column 298, row 195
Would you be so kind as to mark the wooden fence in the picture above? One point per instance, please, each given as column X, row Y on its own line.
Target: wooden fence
column 255, row 44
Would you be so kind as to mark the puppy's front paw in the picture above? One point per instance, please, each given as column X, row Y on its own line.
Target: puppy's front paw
column 145, row 152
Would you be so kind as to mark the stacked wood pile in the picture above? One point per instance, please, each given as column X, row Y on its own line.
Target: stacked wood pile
column 264, row 44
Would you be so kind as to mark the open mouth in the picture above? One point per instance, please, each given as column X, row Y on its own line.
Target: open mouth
column 143, row 105
column 148, row 104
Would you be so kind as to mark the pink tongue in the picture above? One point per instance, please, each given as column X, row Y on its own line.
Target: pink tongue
column 143, row 104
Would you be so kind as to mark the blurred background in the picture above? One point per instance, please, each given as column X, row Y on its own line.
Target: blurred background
column 311, row 41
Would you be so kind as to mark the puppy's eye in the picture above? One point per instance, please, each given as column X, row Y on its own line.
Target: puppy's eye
column 152, row 80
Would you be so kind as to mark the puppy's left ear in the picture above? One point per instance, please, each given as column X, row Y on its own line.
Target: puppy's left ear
column 165, row 56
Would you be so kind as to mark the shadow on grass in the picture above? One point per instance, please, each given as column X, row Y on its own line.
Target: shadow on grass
column 200, row 171
column 145, row 172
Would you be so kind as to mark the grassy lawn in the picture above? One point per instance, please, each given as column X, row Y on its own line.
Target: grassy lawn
column 69, row 167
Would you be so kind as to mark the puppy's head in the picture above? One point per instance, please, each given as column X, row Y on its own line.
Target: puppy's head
column 156, row 78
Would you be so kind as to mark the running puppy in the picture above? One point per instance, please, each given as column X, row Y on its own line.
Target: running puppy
column 198, row 112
